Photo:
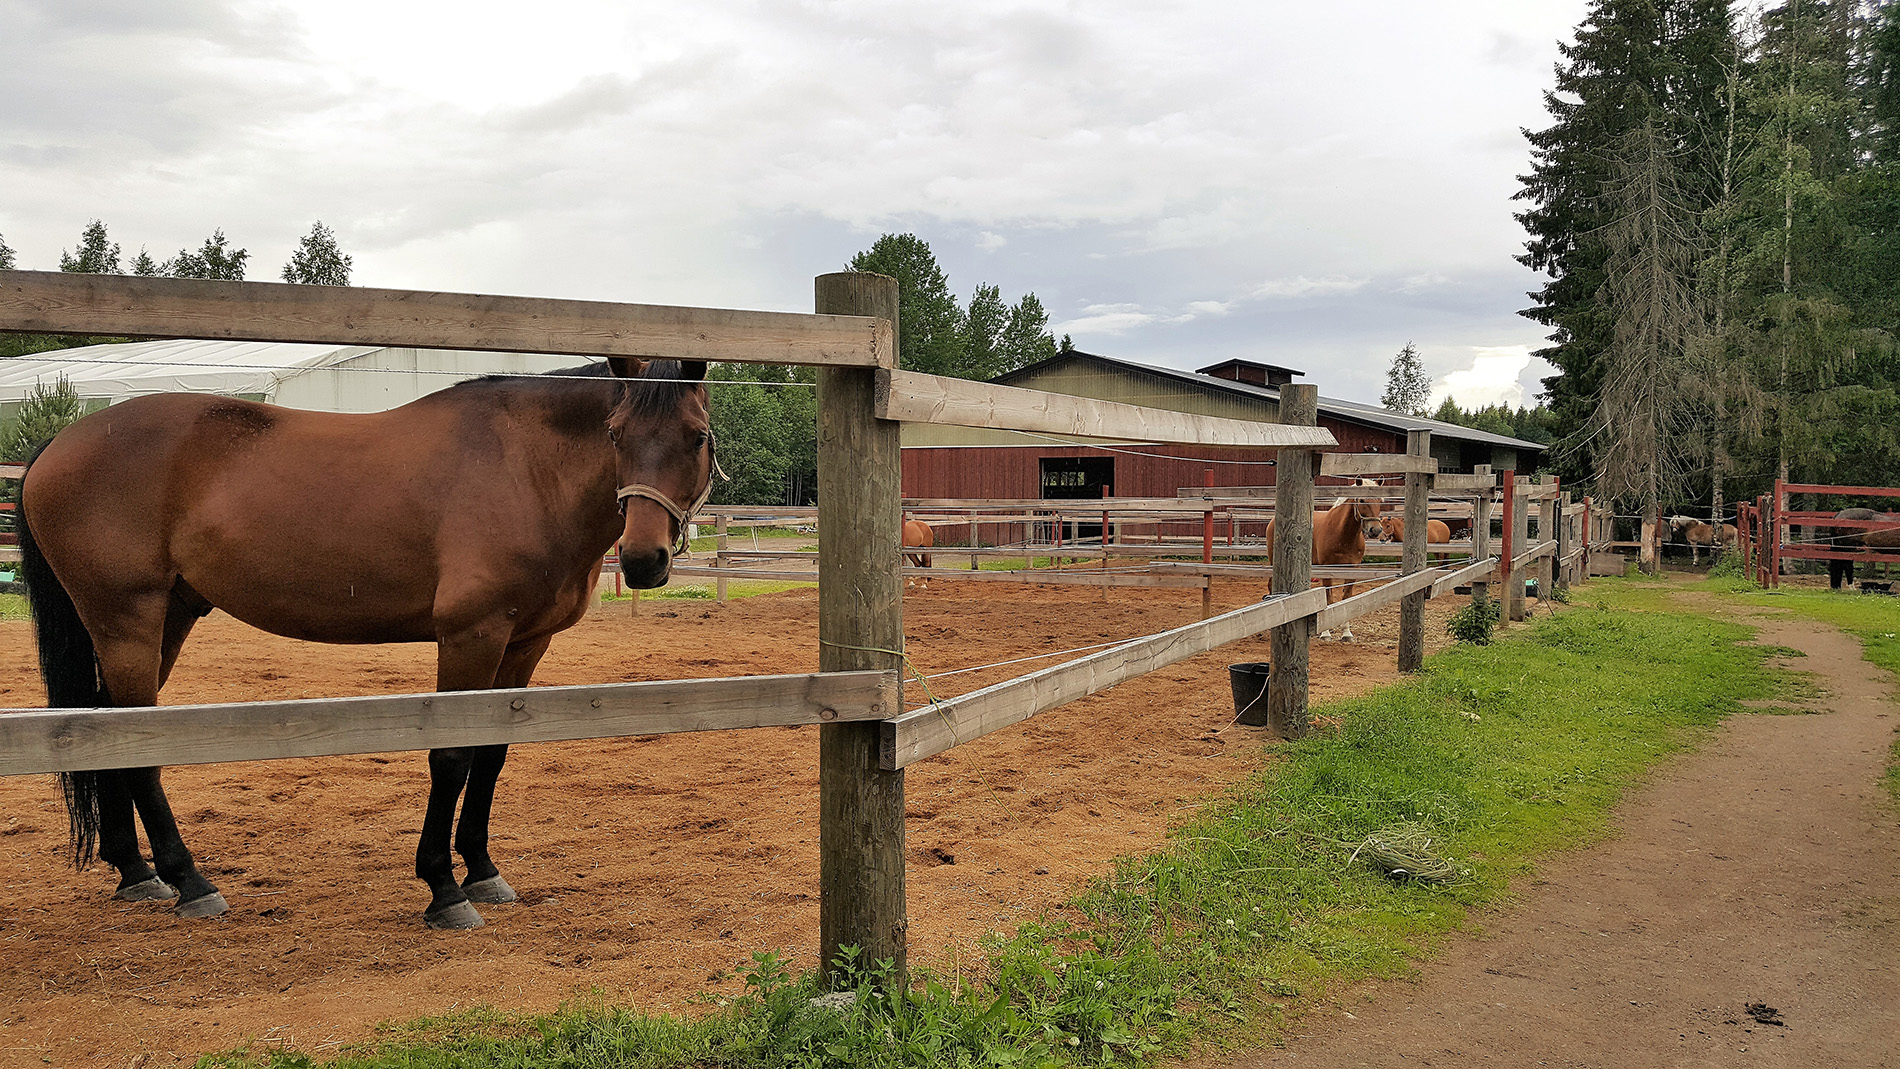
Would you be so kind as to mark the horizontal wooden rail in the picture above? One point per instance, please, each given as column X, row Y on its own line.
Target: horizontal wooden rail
column 770, row 576
column 1374, row 464
column 71, row 740
column 1826, row 519
column 921, row 733
column 1050, row 577
column 56, row 302
column 1847, row 491
column 12, row 471
column 1470, row 573
column 1375, row 599
column 1452, row 481
column 918, row 398
column 1851, row 553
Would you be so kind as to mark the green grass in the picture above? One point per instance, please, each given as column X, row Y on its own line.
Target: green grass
column 741, row 537
column 13, row 607
column 705, row 590
column 1257, row 908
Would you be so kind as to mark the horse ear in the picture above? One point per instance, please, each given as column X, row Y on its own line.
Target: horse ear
column 627, row 367
column 692, row 370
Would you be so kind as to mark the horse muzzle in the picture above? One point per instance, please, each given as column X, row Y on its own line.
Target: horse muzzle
column 644, row 570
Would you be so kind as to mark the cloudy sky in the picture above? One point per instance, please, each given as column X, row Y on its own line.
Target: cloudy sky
column 1307, row 184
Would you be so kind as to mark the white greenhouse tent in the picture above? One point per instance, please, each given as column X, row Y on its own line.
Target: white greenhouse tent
column 329, row 378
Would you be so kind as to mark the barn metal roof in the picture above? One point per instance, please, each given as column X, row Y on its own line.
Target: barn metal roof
column 1353, row 411
column 133, row 368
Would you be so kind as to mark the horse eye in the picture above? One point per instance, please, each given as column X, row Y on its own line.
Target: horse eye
column 704, row 437
column 613, row 435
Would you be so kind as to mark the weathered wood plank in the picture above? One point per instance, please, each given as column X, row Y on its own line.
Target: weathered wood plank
column 1373, row 600
column 56, row 302
column 1476, row 572
column 12, row 471
column 1449, row 481
column 1344, row 464
column 1040, row 577
column 70, row 740
column 918, row 398
column 933, row 729
column 1290, row 645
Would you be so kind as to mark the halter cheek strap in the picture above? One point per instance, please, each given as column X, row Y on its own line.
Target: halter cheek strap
column 681, row 517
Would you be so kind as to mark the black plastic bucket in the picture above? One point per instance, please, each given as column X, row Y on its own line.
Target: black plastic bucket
column 1249, row 683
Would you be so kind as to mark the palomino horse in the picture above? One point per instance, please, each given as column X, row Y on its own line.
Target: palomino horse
column 1339, row 537
column 918, row 534
column 1699, row 534
column 1875, row 537
column 474, row 518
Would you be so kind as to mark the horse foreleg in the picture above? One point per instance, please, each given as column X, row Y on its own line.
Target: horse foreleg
column 484, row 882
column 467, row 659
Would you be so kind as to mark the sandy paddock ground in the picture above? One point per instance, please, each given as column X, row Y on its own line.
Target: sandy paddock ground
column 648, row 867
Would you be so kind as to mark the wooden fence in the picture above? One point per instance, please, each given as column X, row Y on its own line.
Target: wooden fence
column 1765, row 530
column 865, row 737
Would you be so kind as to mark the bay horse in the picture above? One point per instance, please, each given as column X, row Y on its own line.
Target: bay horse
column 475, row 518
column 917, row 534
column 1875, row 537
column 1339, row 537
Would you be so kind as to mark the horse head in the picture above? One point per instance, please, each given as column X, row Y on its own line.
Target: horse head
column 664, row 461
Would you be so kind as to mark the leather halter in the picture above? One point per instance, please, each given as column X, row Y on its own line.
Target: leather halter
column 681, row 517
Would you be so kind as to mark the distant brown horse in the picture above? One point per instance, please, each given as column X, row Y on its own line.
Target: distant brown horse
column 1874, row 537
column 918, row 534
column 474, row 518
column 1699, row 534
column 1339, row 537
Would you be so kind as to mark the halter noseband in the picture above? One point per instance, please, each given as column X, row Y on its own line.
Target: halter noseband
column 681, row 516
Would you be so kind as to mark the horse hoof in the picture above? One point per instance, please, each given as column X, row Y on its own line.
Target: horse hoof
column 493, row 889
column 453, row 917
column 152, row 890
column 210, row 905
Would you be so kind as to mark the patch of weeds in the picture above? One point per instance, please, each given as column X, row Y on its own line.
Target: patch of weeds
column 1476, row 622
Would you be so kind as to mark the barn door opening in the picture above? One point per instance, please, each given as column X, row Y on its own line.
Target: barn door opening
column 1078, row 479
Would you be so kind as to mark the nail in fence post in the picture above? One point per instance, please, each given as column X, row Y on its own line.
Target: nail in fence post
column 860, row 626
column 1412, row 556
column 1292, row 564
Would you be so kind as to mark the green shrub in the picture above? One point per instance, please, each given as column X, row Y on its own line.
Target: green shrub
column 1475, row 622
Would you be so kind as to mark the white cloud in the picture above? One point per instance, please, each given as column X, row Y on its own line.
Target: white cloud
column 990, row 242
column 1301, row 286
column 1494, row 377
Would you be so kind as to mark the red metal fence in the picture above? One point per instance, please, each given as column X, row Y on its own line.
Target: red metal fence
column 1762, row 530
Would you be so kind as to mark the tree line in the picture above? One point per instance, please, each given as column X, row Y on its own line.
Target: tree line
column 766, row 416
column 317, row 261
column 1716, row 210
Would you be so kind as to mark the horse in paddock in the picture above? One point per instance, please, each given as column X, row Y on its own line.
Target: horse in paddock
column 474, row 518
column 918, row 534
column 1394, row 528
column 1339, row 537
column 1873, row 537
column 1700, row 534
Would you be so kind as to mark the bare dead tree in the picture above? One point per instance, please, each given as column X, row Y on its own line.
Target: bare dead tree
column 1640, row 429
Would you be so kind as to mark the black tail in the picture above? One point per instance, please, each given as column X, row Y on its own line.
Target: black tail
column 71, row 669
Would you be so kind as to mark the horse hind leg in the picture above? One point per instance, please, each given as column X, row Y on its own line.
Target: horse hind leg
column 132, row 666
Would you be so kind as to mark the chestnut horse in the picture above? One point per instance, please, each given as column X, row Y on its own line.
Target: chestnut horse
column 474, row 518
column 918, row 534
column 1394, row 529
column 1339, row 537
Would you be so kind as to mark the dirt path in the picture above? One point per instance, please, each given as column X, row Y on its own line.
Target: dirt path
column 1763, row 869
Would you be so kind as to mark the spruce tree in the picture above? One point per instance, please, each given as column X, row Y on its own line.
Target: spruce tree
column 6, row 255
column 929, row 328
column 1407, row 387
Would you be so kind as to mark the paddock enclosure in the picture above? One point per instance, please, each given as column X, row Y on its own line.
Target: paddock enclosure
column 840, row 673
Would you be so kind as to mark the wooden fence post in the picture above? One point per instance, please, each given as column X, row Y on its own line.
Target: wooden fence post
column 1510, row 507
column 1549, row 513
column 1207, row 552
column 1292, row 564
column 1412, row 556
column 1566, row 540
column 973, row 540
column 860, row 626
column 720, row 560
column 1520, row 540
column 1481, row 533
